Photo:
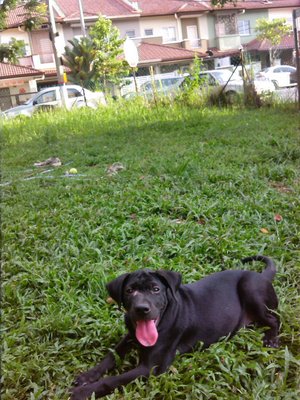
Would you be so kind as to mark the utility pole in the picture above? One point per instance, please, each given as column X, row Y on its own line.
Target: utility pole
column 296, row 14
column 82, row 24
column 59, row 68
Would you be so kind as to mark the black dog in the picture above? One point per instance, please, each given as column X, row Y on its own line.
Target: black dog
column 164, row 316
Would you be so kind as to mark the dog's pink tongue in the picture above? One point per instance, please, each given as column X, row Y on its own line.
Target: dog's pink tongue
column 146, row 332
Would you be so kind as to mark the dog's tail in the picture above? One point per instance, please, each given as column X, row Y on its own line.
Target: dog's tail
column 270, row 271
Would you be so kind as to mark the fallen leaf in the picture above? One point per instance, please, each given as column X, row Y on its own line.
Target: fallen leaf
column 52, row 161
column 114, row 168
column 264, row 230
column 110, row 300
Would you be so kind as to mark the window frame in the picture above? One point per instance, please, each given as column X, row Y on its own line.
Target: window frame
column 246, row 27
column 168, row 38
column 148, row 29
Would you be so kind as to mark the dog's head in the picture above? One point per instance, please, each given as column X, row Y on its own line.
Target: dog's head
column 145, row 295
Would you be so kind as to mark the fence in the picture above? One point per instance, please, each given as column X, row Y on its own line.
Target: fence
column 8, row 100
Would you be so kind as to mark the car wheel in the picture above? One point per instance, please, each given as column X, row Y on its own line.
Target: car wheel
column 276, row 84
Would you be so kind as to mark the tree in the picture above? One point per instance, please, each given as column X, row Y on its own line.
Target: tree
column 10, row 52
column 108, row 64
column 80, row 60
column 35, row 12
column 273, row 31
column 221, row 3
column 97, row 57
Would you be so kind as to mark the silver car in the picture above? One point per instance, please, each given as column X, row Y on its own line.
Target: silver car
column 50, row 98
column 234, row 85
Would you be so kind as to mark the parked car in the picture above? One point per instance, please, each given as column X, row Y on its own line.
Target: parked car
column 232, row 85
column 2, row 115
column 51, row 98
column 281, row 75
column 162, row 86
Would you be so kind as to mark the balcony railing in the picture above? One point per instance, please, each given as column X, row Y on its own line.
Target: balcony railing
column 229, row 42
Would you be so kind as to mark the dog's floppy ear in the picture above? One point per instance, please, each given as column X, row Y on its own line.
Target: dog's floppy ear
column 115, row 288
column 171, row 279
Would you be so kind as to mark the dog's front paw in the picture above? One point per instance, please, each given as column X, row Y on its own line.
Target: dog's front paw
column 84, row 392
column 87, row 377
column 81, row 393
column 271, row 342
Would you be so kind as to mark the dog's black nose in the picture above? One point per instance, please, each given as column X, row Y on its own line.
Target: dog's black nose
column 142, row 309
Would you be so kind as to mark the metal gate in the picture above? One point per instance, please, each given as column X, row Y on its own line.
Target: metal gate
column 5, row 99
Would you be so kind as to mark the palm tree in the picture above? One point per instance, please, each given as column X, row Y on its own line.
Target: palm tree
column 80, row 60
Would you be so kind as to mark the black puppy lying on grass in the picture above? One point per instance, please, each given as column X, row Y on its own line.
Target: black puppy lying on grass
column 163, row 316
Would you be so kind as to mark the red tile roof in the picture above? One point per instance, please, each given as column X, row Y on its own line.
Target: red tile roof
column 92, row 8
column 160, row 53
column 12, row 71
column 113, row 8
column 125, row 8
column 287, row 42
column 168, row 7
column 262, row 4
column 16, row 16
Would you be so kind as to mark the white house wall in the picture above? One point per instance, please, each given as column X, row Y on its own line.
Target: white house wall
column 203, row 27
column 8, row 34
column 128, row 25
column 252, row 16
column 282, row 13
column 157, row 24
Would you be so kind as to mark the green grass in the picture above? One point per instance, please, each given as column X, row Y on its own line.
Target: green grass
column 198, row 187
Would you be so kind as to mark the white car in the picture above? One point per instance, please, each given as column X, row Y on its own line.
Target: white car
column 162, row 86
column 233, row 85
column 280, row 75
column 51, row 98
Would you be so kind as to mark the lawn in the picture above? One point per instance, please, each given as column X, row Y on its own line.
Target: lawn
column 200, row 189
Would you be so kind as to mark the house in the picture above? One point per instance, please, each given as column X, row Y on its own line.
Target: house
column 16, row 84
column 259, row 49
column 167, row 33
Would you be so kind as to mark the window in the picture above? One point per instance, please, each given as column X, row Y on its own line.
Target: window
column 169, row 34
column 226, row 25
column 244, row 27
column 73, row 93
column 130, row 34
column 46, row 97
column 148, row 32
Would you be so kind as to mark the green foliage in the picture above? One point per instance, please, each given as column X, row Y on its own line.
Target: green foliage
column 199, row 185
column 10, row 52
column 190, row 90
column 36, row 12
column 273, row 31
column 80, row 60
column 108, row 64
column 97, row 58
column 222, row 3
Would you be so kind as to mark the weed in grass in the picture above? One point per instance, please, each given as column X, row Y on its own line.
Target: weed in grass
column 198, row 187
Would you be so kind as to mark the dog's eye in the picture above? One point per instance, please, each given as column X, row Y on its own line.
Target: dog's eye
column 155, row 289
column 129, row 291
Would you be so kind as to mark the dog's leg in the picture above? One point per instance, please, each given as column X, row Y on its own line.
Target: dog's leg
column 271, row 336
column 107, row 385
column 155, row 362
column 259, row 300
column 106, row 365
